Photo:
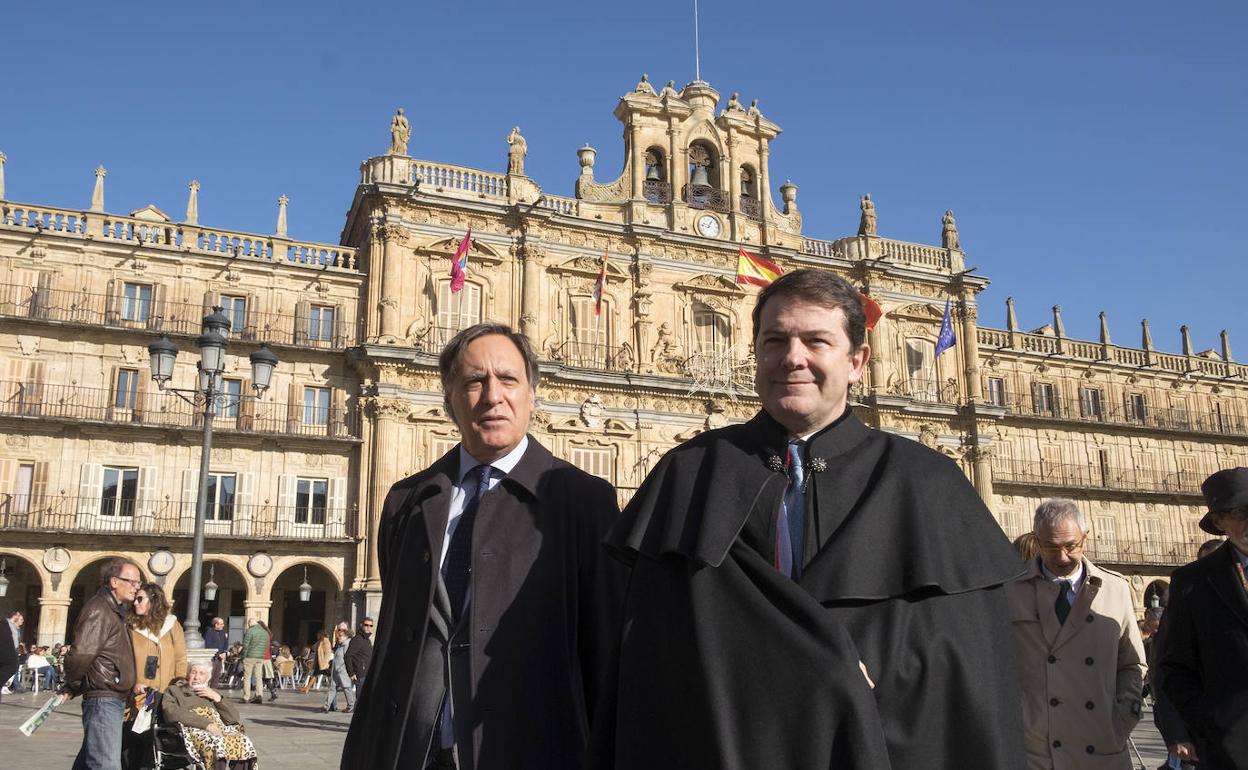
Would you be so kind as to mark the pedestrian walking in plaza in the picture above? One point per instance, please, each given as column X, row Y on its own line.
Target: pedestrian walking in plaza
column 1080, row 658
column 499, row 610
column 1204, row 632
column 158, row 642
column 100, row 667
column 321, row 658
column 216, row 638
column 360, row 652
column 13, row 625
column 339, row 678
column 268, row 673
column 255, row 649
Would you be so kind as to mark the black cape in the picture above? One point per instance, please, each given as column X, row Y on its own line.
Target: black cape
column 725, row 663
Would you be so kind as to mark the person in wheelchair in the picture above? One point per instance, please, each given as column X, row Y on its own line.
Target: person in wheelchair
column 210, row 724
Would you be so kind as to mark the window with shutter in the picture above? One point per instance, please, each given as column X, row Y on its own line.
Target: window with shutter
column 1105, row 533
column 235, row 309
column 311, row 501
column 712, row 330
column 921, row 369
column 996, row 391
column 136, row 302
column 1090, row 403
column 1043, row 399
column 594, row 461
column 316, row 406
column 457, row 311
column 1150, row 535
column 119, row 492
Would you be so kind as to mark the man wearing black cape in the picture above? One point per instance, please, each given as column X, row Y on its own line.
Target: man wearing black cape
column 775, row 563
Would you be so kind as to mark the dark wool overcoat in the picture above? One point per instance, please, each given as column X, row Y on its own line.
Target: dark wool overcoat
column 1204, row 659
column 725, row 663
column 540, row 625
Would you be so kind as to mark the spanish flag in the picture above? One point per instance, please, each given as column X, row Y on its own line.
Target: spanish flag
column 755, row 270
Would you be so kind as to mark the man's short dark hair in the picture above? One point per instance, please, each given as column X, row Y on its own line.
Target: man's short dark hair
column 13, row 614
column 112, row 569
column 818, row 287
column 449, row 359
column 1207, row 547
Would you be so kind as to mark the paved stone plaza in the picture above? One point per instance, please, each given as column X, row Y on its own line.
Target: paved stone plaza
column 291, row 734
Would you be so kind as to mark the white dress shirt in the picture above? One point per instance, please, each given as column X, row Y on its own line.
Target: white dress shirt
column 460, row 495
column 1074, row 580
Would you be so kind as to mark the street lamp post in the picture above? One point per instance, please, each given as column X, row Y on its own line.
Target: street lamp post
column 210, row 394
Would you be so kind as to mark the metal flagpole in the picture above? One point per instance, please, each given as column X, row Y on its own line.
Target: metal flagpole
column 697, row 54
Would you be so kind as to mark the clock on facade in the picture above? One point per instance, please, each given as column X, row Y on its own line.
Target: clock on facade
column 708, row 226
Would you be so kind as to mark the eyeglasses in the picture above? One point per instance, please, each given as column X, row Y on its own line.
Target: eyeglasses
column 368, row 625
column 1068, row 548
column 136, row 582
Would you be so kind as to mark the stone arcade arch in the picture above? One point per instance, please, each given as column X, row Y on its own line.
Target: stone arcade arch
column 24, row 593
column 294, row 621
column 229, row 603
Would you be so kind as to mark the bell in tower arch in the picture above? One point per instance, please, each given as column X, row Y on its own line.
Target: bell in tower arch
column 699, row 178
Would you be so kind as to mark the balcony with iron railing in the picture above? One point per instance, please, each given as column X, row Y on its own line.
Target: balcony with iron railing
column 724, row 369
column 1160, row 552
column 657, row 191
column 164, row 517
column 751, row 207
column 161, row 409
column 1053, row 406
column 1094, row 477
column 83, row 308
column 591, row 355
column 924, row 390
column 701, row 196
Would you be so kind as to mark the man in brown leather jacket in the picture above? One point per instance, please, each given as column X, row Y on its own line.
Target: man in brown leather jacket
column 100, row 666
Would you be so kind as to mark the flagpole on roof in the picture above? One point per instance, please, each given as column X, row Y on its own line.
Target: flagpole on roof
column 697, row 52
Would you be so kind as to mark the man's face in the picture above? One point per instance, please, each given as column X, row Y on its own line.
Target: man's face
column 490, row 397
column 218, row 624
column 126, row 584
column 1061, row 546
column 1235, row 525
column 366, row 628
column 805, row 364
column 18, row 620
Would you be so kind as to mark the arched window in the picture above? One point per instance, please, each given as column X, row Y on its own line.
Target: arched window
column 656, row 187
column 750, row 203
column 704, row 190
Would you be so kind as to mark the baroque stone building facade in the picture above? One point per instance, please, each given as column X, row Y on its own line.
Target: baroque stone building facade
column 96, row 462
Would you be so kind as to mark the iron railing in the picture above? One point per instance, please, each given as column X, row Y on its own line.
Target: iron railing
column 1162, row 551
column 1093, row 476
column 62, row 513
column 589, row 355
column 24, row 399
column 703, row 196
column 656, row 191
column 751, row 207
column 83, row 308
column 927, row 390
column 1053, row 405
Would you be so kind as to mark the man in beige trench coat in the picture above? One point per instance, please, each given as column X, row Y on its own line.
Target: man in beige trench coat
column 1080, row 657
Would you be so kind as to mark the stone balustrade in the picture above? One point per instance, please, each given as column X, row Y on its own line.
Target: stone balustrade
column 458, row 181
column 113, row 228
column 818, row 248
column 917, row 254
column 560, row 204
column 1047, row 345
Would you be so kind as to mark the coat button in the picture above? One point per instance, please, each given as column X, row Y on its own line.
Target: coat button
column 1057, row 744
column 1090, row 616
column 1088, row 661
column 394, row 707
column 1052, row 658
column 1091, row 749
column 1090, row 705
column 425, row 556
column 1053, row 701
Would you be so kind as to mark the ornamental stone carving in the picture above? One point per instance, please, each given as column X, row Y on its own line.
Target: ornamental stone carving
column 394, row 233
column 866, row 223
column 593, row 192
column 593, row 412
column 390, row 408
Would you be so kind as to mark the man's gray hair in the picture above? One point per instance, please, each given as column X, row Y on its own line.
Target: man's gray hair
column 1057, row 509
column 448, row 361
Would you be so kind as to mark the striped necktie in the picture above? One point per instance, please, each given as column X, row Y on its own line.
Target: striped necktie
column 791, row 530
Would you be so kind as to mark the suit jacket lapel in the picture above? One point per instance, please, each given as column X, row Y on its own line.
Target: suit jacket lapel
column 1225, row 581
column 1046, row 599
column 1080, row 610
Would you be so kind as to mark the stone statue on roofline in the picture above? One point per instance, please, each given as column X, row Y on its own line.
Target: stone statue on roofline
column 644, row 87
column 949, row 231
column 866, row 224
column 753, row 110
column 734, row 103
column 669, row 89
column 400, row 133
column 516, row 150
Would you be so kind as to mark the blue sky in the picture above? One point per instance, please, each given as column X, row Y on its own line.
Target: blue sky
column 1094, row 153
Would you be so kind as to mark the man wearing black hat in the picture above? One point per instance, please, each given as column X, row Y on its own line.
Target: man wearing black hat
column 1205, row 660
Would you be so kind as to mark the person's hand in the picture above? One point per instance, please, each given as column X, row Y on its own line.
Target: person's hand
column 863, row 667
column 139, row 689
column 66, row 697
column 213, row 728
column 1185, row 751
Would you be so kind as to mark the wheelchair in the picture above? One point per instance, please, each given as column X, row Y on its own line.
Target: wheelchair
column 160, row 748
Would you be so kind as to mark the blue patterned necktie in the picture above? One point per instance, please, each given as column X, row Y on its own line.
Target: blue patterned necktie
column 1062, row 607
column 458, row 574
column 795, row 507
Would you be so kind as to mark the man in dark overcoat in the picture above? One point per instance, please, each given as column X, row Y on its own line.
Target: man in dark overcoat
column 776, row 562
column 499, row 606
column 1204, row 655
